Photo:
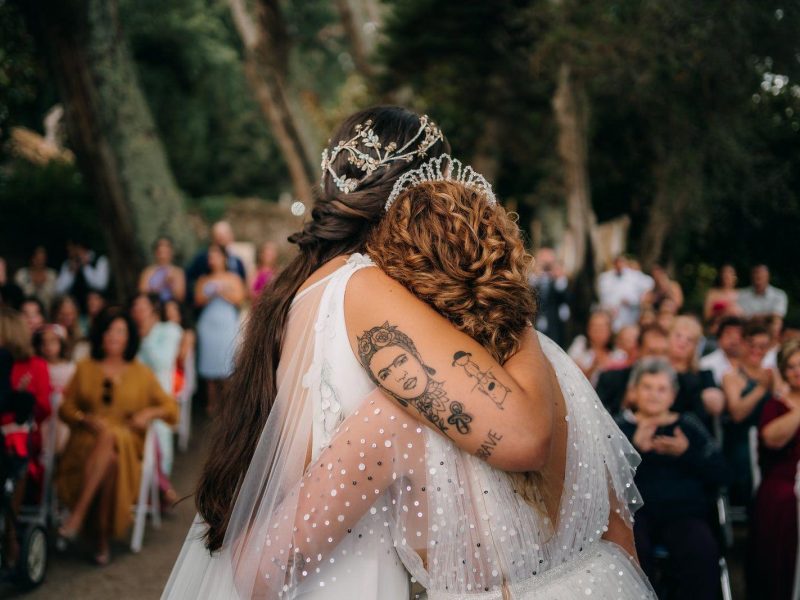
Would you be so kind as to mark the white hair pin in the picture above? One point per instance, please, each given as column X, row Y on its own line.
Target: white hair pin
column 442, row 168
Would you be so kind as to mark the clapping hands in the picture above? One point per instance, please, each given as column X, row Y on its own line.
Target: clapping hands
column 646, row 440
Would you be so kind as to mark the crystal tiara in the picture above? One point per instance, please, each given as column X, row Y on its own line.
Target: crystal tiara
column 373, row 155
column 442, row 168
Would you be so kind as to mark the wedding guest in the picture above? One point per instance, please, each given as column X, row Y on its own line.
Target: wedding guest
column 108, row 405
column 774, row 526
column 663, row 288
column 551, row 285
column 267, row 268
column 667, row 311
column 96, row 302
column 680, row 462
column 33, row 312
column 627, row 341
column 729, row 348
column 697, row 391
column 160, row 343
column 761, row 298
column 83, row 271
column 620, row 291
column 594, row 351
column 37, row 279
column 65, row 313
column 219, row 296
column 50, row 343
column 747, row 389
column 173, row 312
column 723, row 298
column 613, row 384
column 221, row 236
column 163, row 277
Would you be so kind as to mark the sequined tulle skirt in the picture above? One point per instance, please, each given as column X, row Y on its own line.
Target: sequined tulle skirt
column 604, row 572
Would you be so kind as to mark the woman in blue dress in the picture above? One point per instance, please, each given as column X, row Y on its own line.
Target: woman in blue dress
column 219, row 294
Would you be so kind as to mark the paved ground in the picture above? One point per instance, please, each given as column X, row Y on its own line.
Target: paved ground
column 129, row 576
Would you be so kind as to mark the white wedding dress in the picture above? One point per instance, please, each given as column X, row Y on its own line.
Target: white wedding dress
column 382, row 486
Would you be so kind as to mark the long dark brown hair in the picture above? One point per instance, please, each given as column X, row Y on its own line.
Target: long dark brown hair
column 339, row 225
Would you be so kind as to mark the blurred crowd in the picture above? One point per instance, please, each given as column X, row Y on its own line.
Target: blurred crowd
column 83, row 378
column 711, row 401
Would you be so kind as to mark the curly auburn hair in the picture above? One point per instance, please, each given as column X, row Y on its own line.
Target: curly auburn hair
column 449, row 247
column 465, row 257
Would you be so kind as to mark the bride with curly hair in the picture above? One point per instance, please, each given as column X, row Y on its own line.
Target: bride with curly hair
column 415, row 419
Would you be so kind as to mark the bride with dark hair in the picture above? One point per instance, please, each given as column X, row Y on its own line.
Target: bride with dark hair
column 373, row 411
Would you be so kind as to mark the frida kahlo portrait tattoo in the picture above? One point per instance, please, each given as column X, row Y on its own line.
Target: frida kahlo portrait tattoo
column 487, row 383
column 395, row 365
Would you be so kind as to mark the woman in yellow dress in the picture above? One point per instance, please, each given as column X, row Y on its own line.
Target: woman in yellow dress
column 108, row 406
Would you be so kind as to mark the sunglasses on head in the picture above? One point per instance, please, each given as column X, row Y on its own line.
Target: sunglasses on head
column 108, row 386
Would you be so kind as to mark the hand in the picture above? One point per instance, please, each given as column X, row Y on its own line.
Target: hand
column 24, row 382
column 671, row 445
column 139, row 421
column 644, row 436
column 95, row 424
column 766, row 380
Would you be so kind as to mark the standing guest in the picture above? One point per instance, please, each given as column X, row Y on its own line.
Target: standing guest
column 108, row 406
column 550, row 283
column 65, row 313
column 775, row 325
column 95, row 304
column 10, row 293
column 761, row 299
column 222, row 236
column 50, row 343
column 621, row 290
column 163, row 277
column 595, row 351
column 267, row 268
column 725, row 358
column 33, row 312
column 747, row 389
column 29, row 372
column 667, row 311
column 680, row 462
column 219, row 294
column 37, row 279
column 82, row 272
column 613, row 384
column 723, row 298
column 774, row 528
column 663, row 288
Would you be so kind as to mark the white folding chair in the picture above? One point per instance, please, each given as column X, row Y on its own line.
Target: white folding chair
column 148, row 502
column 185, row 401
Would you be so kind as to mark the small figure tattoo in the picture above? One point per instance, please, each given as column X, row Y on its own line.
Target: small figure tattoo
column 487, row 383
column 459, row 418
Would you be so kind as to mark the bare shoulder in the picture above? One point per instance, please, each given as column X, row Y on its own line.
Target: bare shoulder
column 371, row 293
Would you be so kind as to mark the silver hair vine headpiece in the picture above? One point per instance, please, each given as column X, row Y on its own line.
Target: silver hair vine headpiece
column 442, row 168
column 374, row 155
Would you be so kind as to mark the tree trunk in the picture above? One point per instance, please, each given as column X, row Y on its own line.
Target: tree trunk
column 571, row 115
column 354, row 31
column 267, row 78
column 676, row 184
column 111, row 129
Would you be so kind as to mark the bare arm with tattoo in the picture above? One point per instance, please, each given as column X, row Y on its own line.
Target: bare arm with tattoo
column 446, row 380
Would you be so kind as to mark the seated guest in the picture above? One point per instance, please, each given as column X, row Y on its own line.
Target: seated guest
column 65, row 313
column 667, row 312
column 680, row 462
column 725, row 358
column 50, row 343
column 723, row 298
column 108, row 405
column 762, row 299
column 159, row 350
column 10, row 293
column 774, row 527
column 627, row 340
column 697, row 391
column 594, row 351
column 664, row 288
column 746, row 389
column 33, row 312
column 172, row 312
column 612, row 385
